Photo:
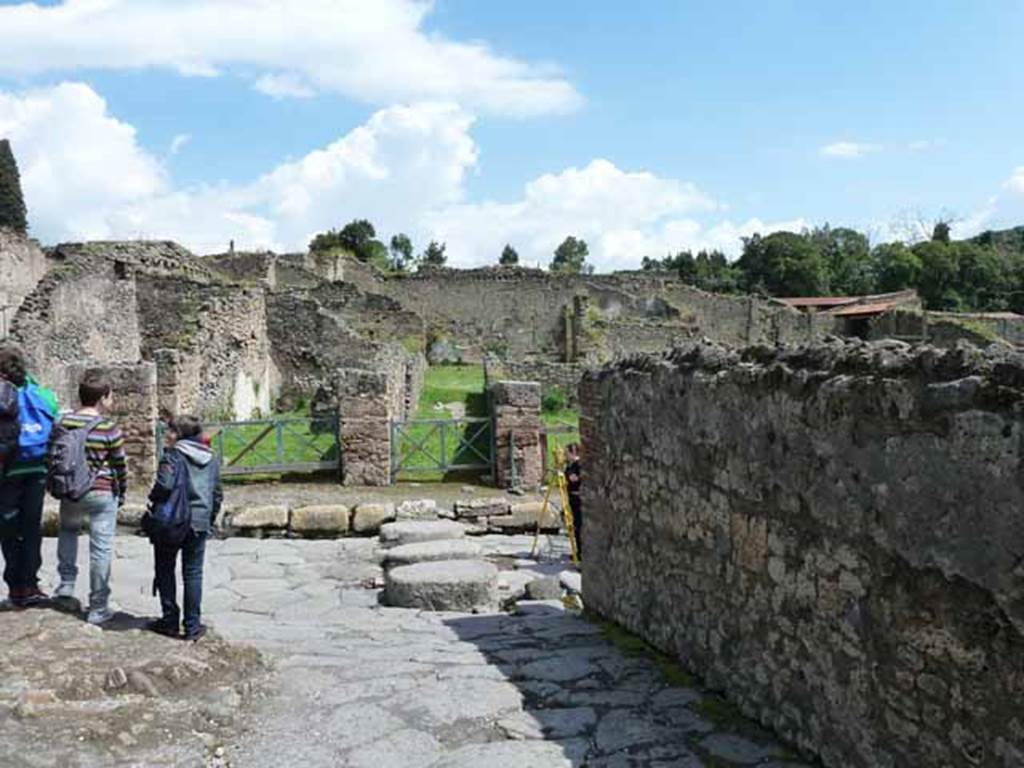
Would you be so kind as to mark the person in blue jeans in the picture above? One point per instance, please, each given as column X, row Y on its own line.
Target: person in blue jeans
column 23, row 483
column 104, row 452
column 185, row 445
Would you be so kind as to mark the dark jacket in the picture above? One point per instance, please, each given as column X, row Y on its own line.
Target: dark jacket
column 204, row 490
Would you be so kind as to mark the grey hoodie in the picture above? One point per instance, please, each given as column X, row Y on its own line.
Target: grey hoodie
column 204, row 489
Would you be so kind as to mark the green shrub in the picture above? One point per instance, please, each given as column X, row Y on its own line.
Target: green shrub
column 553, row 401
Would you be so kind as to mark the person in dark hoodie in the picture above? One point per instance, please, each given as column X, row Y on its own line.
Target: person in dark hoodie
column 185, row 444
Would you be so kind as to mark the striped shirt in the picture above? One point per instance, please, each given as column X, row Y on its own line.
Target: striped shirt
column 104, row 450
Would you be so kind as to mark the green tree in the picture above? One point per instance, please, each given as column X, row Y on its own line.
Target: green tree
column 12, row 202
column 712, row 272
column 509, row 257
column 984, row 277
column 782, row 264
column 401, row 251
column 940, row 232
column 897, row 267
column 847, row 255
column 570, row 257
column 940, row 275
column 434, row 255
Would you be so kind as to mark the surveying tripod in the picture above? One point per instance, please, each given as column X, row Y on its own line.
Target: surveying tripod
column 555, row 477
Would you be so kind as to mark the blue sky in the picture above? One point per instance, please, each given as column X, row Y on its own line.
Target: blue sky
column 643, row 127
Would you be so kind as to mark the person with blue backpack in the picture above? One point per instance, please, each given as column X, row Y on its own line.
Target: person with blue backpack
column 184, row 503
column 27, row 413
column 88, row 473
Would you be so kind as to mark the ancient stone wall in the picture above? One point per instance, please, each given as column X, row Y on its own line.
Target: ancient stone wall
column 22, row 266
column 564, row 376
column 80, row 313
column 520, row 314
column 255, row 268
column 832, row 535
column 223, row 367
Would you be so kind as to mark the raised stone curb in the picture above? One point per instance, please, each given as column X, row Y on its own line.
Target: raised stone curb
column 417, row 509
column 524, row 517
column 444, row 585
column 368, row 518
column 320, row 519
column 485, row 506
column 410, row 532
column 430, row 551
column 261, row 518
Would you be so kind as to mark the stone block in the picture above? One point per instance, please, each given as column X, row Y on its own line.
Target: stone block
column 523, row 394
column 417, row 509
column 547, row 588
column 321, row 519
column 428, row 551
column 412, row 531
column 368, row 518
column 130, row 515
column 274, row 516
column 445, row 585
column 483, row 506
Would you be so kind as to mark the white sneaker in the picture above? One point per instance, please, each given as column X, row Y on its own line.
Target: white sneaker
column 65, row 591
column 100, row 616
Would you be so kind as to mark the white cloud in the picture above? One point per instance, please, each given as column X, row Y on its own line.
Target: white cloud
column 373, row 50
column 77, row 162
column 1016, row 181
column 178, row 143
column 86, row 177
column 284, row 86
column 622, row 215
column 848, row 149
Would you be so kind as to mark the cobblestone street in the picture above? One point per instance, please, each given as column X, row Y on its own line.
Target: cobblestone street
column 357, row 684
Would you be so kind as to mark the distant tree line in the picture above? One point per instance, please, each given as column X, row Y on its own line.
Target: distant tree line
column 984, row 273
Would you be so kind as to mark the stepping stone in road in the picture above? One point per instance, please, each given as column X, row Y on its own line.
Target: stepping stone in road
column 444, row 585
column 412, row 531
column 429, row 551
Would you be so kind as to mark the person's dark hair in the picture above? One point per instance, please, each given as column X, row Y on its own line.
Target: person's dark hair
column 93, row 388
column 572, row 448
column 186, row 427
column 12, row 364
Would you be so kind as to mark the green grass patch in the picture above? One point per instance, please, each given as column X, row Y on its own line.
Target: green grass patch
column 632, row 645
column 452, row 384
column 720, row 712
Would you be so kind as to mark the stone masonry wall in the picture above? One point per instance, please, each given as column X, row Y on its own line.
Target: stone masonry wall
column 224, row 366
column 832, row 535
column 22, row 266
column 515, row 407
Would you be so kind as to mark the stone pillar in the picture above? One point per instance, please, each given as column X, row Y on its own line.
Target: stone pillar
column 517, row 425
column 365, row 429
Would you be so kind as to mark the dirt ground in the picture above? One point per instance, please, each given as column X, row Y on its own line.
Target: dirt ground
column 75, row 695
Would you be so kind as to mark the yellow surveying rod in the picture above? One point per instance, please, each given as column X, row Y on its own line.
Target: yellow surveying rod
column 556, row 477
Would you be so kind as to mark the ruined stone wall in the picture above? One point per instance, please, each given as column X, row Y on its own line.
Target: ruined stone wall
column 519, row 313
column 78, row 313
column 247, row 267
column 223, row 366
column 832, row 535
column 22, row 266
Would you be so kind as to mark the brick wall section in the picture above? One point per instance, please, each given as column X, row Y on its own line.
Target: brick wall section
column 516, row 410
column 832, row 535
column 22, row 266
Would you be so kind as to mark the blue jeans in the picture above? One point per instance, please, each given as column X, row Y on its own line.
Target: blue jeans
column 193, row 550
column 101, row 509
column 21, row 514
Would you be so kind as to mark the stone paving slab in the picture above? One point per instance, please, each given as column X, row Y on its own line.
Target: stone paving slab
column 361, row 684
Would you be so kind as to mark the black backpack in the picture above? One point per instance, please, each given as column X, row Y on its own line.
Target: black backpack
column 10, row 426
column 70, row 476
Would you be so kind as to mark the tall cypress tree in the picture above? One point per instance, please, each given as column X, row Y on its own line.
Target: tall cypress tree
column 12, row 203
